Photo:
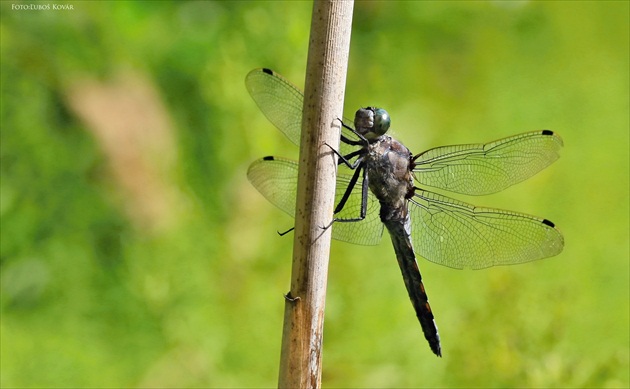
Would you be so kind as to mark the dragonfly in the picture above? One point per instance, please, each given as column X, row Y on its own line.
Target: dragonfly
column 376, row 190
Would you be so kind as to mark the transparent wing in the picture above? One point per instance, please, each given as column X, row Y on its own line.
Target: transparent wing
column 281, row 102
column 478, row 169
column 278, row 99
column 276, row 179
column 459, row 235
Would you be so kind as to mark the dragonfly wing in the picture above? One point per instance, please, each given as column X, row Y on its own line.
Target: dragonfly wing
column 276, row 179
column 478, row 169
column 459, row 235
column 278, row 99
column 281, row 102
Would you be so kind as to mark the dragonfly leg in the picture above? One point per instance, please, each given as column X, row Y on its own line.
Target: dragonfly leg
column 285, row 232
column 346, row 196
column 290, row 298
column 348, row 192
column 351, row 184
column 362, row 142
column 345, row 159
column 344, row 199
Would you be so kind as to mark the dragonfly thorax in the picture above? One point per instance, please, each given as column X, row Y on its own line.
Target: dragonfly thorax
column 372, row 122
column 391, row 179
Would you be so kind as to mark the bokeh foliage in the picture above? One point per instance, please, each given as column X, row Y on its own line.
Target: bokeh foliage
column 94, row 295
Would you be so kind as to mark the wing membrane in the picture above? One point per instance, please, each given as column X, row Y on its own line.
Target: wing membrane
column 276, row 179
column 459, row 235
column 478, row 169
column 281, row 102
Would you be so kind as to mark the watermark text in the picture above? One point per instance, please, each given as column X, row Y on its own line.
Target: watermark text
column 42, row 7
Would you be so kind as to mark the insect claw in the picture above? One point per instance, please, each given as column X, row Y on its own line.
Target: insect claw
column 327, row 226
column 285, row 232
column 290, row 298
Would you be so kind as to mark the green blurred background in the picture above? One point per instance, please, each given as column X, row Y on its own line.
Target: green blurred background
column 134, row 253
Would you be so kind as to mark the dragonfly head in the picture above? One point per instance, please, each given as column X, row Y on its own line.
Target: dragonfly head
column 371, row 122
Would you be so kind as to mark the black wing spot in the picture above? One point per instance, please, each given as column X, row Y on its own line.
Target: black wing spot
column 548, row 223
column 268, row 71
column 547, row 132
column 269, row 158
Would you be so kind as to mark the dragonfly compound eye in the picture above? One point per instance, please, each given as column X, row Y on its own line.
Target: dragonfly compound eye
column 381, row 121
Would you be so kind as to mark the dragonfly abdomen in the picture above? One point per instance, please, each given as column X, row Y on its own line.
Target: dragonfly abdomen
column 399, row 230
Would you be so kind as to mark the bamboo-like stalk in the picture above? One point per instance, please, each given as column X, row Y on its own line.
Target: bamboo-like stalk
column 329, row 46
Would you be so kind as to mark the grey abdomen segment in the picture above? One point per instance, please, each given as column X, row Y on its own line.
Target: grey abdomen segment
column 413, row 281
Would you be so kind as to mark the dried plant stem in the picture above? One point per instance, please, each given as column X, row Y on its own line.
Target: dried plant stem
column 300, row 363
